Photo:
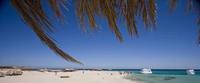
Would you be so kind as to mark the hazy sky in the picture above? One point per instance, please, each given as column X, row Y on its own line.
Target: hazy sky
column 173, row 44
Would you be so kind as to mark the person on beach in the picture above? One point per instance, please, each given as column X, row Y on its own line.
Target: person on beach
column 83, row 72
column 56, row 73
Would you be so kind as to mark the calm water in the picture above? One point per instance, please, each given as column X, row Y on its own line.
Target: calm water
column 163, row 76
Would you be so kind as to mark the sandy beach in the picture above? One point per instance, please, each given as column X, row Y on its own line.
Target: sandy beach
column 74, row 77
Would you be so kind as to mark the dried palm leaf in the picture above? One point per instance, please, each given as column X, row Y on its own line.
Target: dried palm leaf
column 191, row 5
column 86, row 8
column 172, row 4
column 129, row 14
column 112, row 10
column 33, row 14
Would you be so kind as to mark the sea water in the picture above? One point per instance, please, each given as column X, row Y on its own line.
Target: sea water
column 164, row 76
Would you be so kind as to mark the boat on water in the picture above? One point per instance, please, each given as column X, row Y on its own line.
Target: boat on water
column 190, row 72
column 146, row 71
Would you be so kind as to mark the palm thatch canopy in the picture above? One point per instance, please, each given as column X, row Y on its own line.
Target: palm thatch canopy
column 87, row 10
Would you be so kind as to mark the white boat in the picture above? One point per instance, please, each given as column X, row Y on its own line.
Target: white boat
column 190, row 72
column 146, row 71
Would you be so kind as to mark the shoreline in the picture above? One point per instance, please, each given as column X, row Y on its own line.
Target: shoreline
column 79, row 76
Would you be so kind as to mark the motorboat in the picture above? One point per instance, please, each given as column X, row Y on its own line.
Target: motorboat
column 146, row 71
column 190, row 72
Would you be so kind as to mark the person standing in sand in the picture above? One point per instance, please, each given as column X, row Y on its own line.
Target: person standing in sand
column 56, row 73
column 83, row 72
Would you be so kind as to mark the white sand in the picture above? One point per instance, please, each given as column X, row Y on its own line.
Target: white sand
column 75, row 77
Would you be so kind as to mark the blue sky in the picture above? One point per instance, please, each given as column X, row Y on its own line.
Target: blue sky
column 173, row 44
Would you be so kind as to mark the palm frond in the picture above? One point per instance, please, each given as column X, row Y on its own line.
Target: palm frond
column 172, row 4
column 128, row 12
column 87, row 11
column 33, row 14
column 112, row 10
column 107, row 8
column 56, row 6
column 85, row 8
column 191, row 5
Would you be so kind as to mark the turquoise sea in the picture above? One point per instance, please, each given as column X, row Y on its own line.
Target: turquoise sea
column 163, row 76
